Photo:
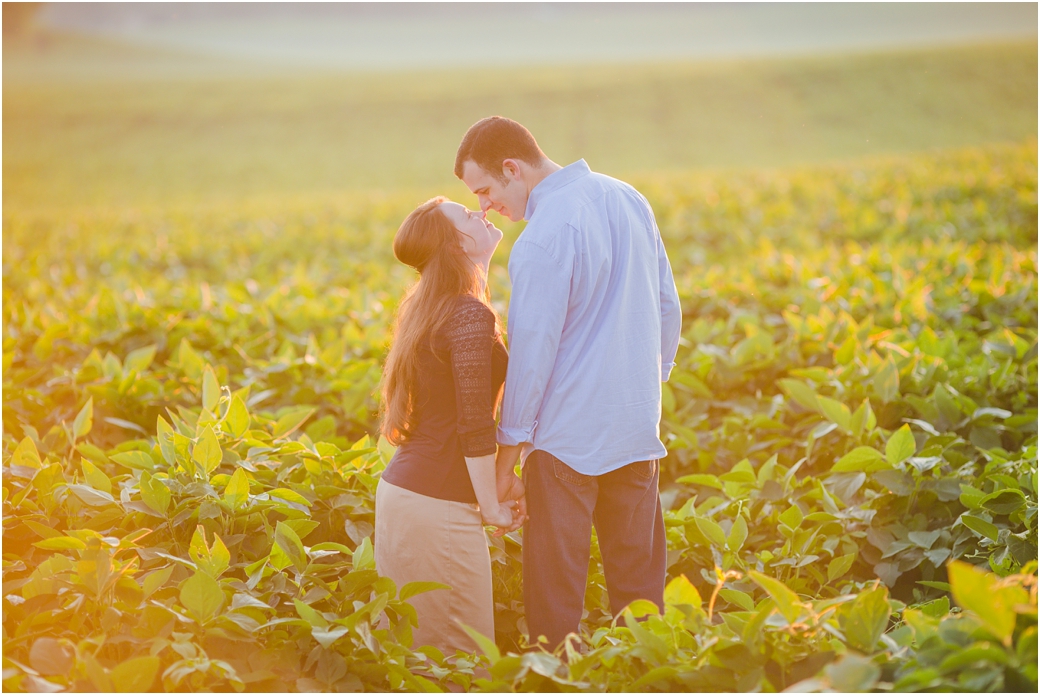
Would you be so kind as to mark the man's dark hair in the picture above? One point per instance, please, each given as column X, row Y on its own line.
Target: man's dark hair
column 494, row 139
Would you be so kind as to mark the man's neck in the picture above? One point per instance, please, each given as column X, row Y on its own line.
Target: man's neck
column 539, row 174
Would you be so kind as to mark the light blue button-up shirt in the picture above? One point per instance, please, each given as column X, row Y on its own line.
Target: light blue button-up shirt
column 594, row 324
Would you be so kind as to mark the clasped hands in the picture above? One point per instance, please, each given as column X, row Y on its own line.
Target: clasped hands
column 511, row 511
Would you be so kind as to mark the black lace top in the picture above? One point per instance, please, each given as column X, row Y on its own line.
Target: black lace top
column 454, row 415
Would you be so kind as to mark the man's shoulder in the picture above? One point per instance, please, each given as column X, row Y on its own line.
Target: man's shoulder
column 574, row 205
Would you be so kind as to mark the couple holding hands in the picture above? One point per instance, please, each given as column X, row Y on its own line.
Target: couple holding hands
column 593, row 323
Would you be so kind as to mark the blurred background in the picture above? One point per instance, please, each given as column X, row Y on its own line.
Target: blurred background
column 166, row 104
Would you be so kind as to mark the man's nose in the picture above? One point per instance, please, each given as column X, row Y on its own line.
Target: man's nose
column 485, row 204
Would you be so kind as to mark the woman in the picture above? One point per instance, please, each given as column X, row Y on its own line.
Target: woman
column 441, row 385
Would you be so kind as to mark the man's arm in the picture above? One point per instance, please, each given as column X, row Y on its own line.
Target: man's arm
column 537, row 313
column 510, row 488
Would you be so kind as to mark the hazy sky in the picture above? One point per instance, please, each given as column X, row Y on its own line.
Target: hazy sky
column 403, row 35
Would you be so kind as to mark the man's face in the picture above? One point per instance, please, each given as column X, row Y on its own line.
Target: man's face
column 506, row 197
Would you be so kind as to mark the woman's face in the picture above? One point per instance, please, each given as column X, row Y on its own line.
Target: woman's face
column 478, row 237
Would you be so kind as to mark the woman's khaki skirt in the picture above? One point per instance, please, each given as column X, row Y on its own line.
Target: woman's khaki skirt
column 425, row 539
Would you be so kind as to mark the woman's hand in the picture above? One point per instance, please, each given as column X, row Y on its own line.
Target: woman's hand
column 501, row 515
column 512, row 493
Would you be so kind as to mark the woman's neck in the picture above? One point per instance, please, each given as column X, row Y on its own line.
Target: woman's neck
column 483, row 268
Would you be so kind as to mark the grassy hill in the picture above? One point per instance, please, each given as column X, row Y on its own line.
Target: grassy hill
column 89, row 123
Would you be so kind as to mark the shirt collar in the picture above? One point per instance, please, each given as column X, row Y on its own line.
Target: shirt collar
column 554, row 182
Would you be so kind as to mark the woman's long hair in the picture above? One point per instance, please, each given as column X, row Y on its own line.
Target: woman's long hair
column 429, row 242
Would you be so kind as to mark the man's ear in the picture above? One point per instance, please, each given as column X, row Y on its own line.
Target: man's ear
column 511, row 169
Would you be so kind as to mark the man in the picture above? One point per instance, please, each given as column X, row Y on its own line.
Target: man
column 594, row 323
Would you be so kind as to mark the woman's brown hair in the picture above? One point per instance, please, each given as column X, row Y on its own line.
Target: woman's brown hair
column 429, row 242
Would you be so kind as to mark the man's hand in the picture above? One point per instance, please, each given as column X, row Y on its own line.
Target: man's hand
column 511, row 493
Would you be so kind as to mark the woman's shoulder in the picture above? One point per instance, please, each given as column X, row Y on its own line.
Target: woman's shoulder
column 470, row 312
column 469, row 305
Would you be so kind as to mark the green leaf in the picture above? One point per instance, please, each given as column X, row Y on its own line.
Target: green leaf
column 84, row 420
column 712, row 531
column 924, row 539
column 210, row 389
column 140, row 359
column 852, row 674
column 61, row 543
column 800, row 393
column 700, row 479
column 415, row 588
column 289, row 496
column 326, row 637
column 978, row 653
column 364, row 555
column 641, row 607
column 51, row 657
column 975, row 590
column 860, row 417
column 164, row 436
column 971, row 497
column 1006, row 501
column 96, row 673
column 236, row 422
column 835, row 411
column 680, row 591
column 845, row 353
column 42, row 531
column 840, row 566
column 792, row 517
column 182, row 452
column 786, row 601
column 980, row 526
column 91, row 452
column 991, row 412
column 236, row 492
column 97, row 479
column 213, row 560
column 485, row 644
column 135, row 675
column 277, row 559
column 91, row 497
column 742, row 472
column 886, row 381
column 202, row 596
column 25, row 454
column 867, row 619
column 948, row 406
column 862, row 458
column 134, row 459
column 154, row 493
column 302, row 526
column 288, row 423
column 738, row 598
column 156, row 580
column 207, row 453
column 312, row 616
column 290, row 544
column 737, row 534
column 661, row 674
column 901, row 446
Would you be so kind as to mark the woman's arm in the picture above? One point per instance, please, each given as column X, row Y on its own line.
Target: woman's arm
column 471, row 336
column 482, row 475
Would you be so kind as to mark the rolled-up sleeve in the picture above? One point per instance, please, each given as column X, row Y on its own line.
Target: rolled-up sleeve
column 537, row 312
column 671, row 311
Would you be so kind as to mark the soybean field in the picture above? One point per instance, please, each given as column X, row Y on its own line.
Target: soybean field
column 194, row 327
